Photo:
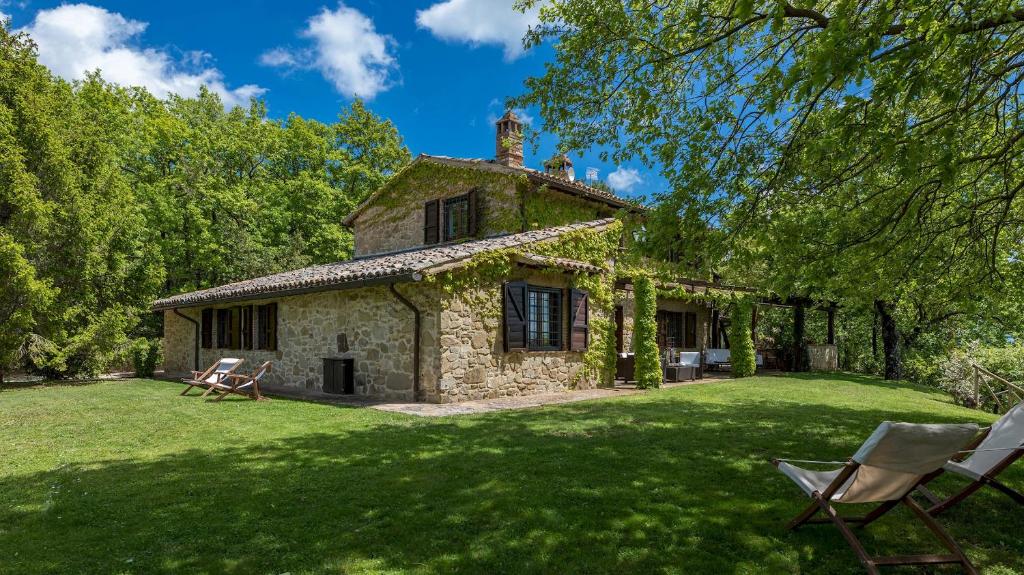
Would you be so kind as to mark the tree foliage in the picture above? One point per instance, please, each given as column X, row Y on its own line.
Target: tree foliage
column 849, row 150
column 110, row 198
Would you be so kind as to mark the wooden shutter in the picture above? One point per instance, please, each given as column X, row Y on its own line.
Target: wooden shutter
column 473, row 208
column 579, row 320
column 272, row 326
column 247, row 333
column 690, row 336
column 236, row 325
column 515, row 316
column 207, row 329
column 431, row 222
column 223, row 328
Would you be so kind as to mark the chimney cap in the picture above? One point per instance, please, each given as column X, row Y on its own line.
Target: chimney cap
column 509, row 115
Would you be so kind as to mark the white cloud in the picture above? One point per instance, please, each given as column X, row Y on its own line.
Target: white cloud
column 347, row 51
column 496, row 108
column 77, row 38
column 624, row 179
column 479, row 22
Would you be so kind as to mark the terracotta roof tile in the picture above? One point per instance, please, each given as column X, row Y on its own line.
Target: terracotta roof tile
column 407, row 265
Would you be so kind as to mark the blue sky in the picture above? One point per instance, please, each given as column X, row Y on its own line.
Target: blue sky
column 439, row 69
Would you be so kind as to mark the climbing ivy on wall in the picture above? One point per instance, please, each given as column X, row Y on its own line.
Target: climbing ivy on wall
column 544, row 208
column 743, row 356
column 645, row 334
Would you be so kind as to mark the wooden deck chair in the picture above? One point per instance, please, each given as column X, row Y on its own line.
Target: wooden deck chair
column 241, row 384
column 993, row 452
column 216, row 373
column 885, row 470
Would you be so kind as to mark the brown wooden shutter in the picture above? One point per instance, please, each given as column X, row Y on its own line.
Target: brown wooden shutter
column 236, row 331
column 247, row 333
column 431, row 222
column 579, row 320
column 472, row 200
column 223, row 328
column 272, row 312
column 207, row 329
column 514, row 307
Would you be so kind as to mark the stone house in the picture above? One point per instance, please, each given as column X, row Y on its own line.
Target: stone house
column 470, row 279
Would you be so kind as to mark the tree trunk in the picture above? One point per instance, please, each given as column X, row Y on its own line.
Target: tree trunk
column 890, row 339
column 874, row 335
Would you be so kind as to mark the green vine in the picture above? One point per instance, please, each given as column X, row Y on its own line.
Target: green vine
column 645, row 334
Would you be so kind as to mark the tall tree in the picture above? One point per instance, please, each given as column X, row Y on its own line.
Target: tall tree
column 873, row 147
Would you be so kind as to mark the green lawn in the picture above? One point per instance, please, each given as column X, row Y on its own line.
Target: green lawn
column 128, row 477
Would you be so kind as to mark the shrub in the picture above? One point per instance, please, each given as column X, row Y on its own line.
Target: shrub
column 86, row 354
column 744, row 360
column 645, row 334
column 956, row 374
column 145, row 355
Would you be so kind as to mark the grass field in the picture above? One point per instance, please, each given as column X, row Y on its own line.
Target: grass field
column 128, row 477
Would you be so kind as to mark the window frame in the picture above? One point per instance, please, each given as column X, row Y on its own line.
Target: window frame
column 462, row 201
column 556, row 319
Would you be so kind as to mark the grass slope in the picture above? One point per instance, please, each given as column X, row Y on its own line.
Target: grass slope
column 128, row 477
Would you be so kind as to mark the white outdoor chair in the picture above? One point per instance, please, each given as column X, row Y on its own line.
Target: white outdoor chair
column 993, row 452
column 885, row 470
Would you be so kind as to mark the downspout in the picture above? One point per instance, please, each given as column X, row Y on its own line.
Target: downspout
column 415, row 341
column 196, row 323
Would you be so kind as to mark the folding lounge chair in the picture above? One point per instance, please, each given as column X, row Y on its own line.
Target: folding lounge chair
column 241, row 384
column 885, row 470
column 217, row 373
column 997, row 449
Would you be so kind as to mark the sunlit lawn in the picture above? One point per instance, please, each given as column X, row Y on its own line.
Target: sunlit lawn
column 128, row 477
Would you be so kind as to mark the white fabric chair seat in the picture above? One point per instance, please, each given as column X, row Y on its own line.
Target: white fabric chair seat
column 892, row 461
column 689, row 359
column 961, row 469
column 1007, row 434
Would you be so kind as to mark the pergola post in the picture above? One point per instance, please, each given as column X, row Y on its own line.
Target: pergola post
column 799, row 331
column 832, row 324
column 716, row 336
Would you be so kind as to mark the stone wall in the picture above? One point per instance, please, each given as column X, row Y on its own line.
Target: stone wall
column 474, row 364
column 823, row 357
column 395, row 220
column 377, row 327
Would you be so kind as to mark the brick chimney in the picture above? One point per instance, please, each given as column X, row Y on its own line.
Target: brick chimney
column 560, row 165
column 509, row 141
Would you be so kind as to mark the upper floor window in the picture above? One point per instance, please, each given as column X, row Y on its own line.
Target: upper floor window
column 450, row 219
column 456, row 218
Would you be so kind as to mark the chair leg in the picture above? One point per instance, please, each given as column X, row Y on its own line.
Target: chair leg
column 940, row 533
column 804, row 516
column 953, row 500
column 847, row 534
column 929, row 495
column 187, row 389
column 1011, row 492
column 877, row 512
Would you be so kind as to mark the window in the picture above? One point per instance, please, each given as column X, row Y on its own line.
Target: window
column 456, row 218
column 207, row 329
column 266, row 324
column 670, row 328
column 545, row 318
column 535, row 320
column 450, row 219
column 690, row 336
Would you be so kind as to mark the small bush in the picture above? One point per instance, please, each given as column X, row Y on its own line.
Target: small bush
column 744, row 359
column 145, row 355
column 645, row 334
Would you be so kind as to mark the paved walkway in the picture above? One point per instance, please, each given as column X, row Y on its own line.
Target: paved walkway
column 466, row 407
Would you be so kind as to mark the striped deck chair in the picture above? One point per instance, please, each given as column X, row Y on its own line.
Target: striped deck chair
column 885, row 470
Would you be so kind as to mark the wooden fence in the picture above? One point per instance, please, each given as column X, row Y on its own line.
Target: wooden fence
column 987, row 382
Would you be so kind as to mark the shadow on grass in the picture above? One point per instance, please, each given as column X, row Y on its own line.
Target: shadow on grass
column 657, row 485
